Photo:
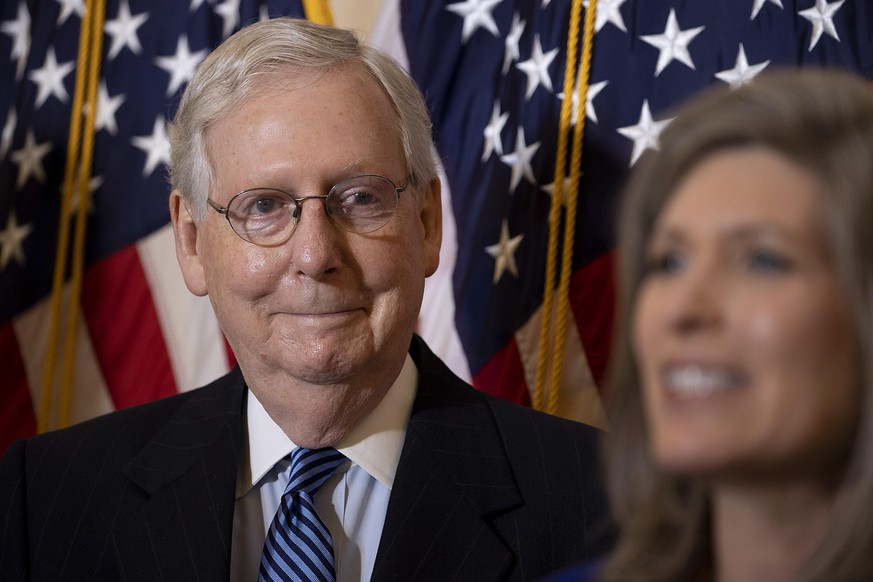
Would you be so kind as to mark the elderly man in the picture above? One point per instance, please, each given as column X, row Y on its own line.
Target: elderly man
column 306, row 205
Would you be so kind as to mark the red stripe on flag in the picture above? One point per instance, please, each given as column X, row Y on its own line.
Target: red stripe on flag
column 231, row 357
column 503, row 376
column 17, row 418
column 125, row 330
column 592, row 296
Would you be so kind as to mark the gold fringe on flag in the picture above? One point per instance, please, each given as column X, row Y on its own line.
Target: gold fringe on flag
column 77, row 173
column 318, row 11
column 554, row 325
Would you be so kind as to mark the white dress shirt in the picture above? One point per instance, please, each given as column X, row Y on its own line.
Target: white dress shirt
column 352, row 503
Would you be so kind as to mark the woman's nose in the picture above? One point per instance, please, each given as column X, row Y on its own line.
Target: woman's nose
column 694, row 298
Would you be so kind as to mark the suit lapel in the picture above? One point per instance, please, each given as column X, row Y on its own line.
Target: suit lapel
column 453, row 479
column 188, row 473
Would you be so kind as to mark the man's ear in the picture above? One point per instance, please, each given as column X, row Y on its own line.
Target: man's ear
column 186, row 231
column 432, row 219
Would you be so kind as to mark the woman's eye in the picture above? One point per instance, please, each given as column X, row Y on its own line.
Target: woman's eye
column 670, row 263
column 674, row 263
column 768, row 262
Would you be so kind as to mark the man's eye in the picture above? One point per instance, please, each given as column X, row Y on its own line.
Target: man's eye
column 359, row 198
column 261, row 206
column 264, row 206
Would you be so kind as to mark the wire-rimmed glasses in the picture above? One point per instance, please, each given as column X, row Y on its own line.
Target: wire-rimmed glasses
column 268, row 216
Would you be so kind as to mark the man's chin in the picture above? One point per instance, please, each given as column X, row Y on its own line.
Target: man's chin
column 316, row 364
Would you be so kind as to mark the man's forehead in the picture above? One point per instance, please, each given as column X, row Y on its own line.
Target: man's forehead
column 309, row 83
column 342, row 114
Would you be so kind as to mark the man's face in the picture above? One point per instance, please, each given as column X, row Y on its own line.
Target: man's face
column 330, row 311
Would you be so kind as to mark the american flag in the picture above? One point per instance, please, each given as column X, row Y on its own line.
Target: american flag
column 495, row 64
column 141, row 335
column 493, row 71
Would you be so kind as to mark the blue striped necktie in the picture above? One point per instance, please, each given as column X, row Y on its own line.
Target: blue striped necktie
column 298, row 546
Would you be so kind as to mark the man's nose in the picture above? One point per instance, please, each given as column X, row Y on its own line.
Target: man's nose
column 298, row 210
column 316, row 242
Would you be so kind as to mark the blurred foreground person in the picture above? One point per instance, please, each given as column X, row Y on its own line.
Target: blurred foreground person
column 742, row 385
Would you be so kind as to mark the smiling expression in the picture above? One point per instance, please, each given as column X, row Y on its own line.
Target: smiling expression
column 747, row 354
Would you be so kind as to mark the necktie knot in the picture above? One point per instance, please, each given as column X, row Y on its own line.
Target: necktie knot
column 310, row 468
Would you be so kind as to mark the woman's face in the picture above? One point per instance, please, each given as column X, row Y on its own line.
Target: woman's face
column 749, row 363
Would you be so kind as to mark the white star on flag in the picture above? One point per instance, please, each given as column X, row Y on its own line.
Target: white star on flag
column 822, row 18
column 181, row 65
column 756, row 8
column 645, row 133
column 512, row 53
column 550, row 190
column 493, row 143
column 229, row 12
column 520, row 160
column 29, row 159
column 609, row 11
column 123, row 30
column 156, row 146
column 11, row 240
column 537, row 68
column 106, row 108
column 19, row 31
column 70, row 7
column 504, row 252
column 673, row 43
column 742, row 72
column 593, row 91
column 476, row 14
column 50, row 79
column 94, row 183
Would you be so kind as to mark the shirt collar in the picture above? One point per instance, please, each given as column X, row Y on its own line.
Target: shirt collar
column 375, row 444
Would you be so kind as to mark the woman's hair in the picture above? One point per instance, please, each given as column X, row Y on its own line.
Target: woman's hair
column 823, row 122
column 265, row 54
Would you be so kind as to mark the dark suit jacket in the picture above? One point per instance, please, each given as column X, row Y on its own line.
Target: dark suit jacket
column 485, row 490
